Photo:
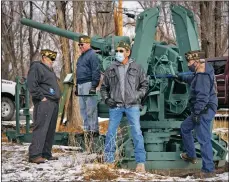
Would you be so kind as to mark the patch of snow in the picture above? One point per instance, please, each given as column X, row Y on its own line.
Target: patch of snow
column 69, row 167
column 103, row 119
column 13, row 123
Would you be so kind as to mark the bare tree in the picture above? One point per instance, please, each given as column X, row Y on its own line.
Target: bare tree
column 8, row 38
column 75, row 118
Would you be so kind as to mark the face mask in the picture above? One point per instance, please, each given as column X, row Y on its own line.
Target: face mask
column 192, row 68
column 119, row 56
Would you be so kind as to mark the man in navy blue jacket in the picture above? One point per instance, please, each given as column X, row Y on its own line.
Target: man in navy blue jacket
column 203, row 105
column 88, row 77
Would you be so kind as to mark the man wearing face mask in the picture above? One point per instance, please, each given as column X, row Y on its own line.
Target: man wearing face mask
column 203, row 104
column 124, row 85
column 87, row 78
column 43, row 86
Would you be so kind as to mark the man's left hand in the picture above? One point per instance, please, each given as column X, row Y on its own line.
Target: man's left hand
column 92, row 91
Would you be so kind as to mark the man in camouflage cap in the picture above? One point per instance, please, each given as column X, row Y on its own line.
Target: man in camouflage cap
column 45, row 91
column 87, row 78
column 49, row 54
column 124, row 85
column 203, row 104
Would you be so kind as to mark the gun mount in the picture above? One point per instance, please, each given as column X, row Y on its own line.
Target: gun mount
column 165, row 104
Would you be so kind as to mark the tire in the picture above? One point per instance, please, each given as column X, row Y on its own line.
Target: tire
column 8, row 108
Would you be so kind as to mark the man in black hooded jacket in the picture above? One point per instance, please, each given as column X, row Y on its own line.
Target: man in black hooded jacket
column 43, row 86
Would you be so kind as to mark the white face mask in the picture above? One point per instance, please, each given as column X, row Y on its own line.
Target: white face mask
column 119, row 57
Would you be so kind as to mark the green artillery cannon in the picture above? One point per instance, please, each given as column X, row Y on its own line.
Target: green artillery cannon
column 165, row 104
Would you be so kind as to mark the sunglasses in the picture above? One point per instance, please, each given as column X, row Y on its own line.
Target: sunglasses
column 119, row 51
column 80, row 45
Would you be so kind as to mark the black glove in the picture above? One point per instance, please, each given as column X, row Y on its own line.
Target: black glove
column 196, row 118
column 76, row 91
column 92, row 90
column 178, row 77
column 110, row 102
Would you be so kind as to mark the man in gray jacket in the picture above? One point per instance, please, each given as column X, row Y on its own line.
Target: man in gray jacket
column 43, row 86
column 124, row 86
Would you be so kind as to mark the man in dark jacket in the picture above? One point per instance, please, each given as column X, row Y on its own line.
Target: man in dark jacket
column 87, row 78
column 124, row 85
column 43, row 86
column 203, row 105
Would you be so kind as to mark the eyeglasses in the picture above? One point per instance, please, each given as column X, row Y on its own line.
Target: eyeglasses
column 119, row 51
column 80, row 45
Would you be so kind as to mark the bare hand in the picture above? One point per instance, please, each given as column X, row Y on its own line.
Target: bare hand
column 44, row 99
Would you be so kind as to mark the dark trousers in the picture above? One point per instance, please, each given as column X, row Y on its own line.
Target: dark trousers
column 44, row 117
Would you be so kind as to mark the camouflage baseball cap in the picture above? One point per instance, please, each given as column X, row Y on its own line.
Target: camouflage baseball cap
column 84, row 39
column 123, row 45
column 48, row 53
column 195, row 55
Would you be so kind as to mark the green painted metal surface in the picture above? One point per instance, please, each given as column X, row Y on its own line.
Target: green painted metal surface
column 185, row 28
column 145, row 33
column 22, row 95
column 60, row 138
column 165, row 104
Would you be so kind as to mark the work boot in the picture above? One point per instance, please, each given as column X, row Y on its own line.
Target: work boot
column 140, row 168
column 51, row 158
column 203, row 175
column 37, row 160
column 110, row 165
column 185, row 157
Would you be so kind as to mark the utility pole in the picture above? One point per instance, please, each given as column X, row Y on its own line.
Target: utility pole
column 118, row 20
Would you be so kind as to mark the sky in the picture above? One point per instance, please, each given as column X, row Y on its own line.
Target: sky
column 132, row 7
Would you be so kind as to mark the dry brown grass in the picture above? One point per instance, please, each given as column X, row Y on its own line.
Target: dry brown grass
column 103, row 126
column 224, row 124
column 221, row 123
column 101, row 172
column 4, row 138
column 57, row 150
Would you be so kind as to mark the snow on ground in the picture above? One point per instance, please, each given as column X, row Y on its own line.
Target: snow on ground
column 72, row 165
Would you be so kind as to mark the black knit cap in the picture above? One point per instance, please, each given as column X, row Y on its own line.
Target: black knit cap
column 195, row 55
column 48, row 53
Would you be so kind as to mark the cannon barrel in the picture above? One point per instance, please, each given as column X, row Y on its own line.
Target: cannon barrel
column 51, row 29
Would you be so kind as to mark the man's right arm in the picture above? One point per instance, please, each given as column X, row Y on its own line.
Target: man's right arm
column 105, row 88
column 33, row 79
column 186, row 78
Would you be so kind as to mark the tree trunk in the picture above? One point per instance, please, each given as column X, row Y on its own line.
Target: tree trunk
column 61, row 22
column 30, row 39
column 218, row 31
column 75, row 120
column 66, row 58
column 207, row 28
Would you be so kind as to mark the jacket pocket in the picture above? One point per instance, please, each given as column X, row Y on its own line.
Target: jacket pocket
column 132, row 75
column 113, row 78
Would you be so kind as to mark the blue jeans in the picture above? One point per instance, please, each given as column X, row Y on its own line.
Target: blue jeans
column 133, row 117
column 88, row 108
column 203, row 134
